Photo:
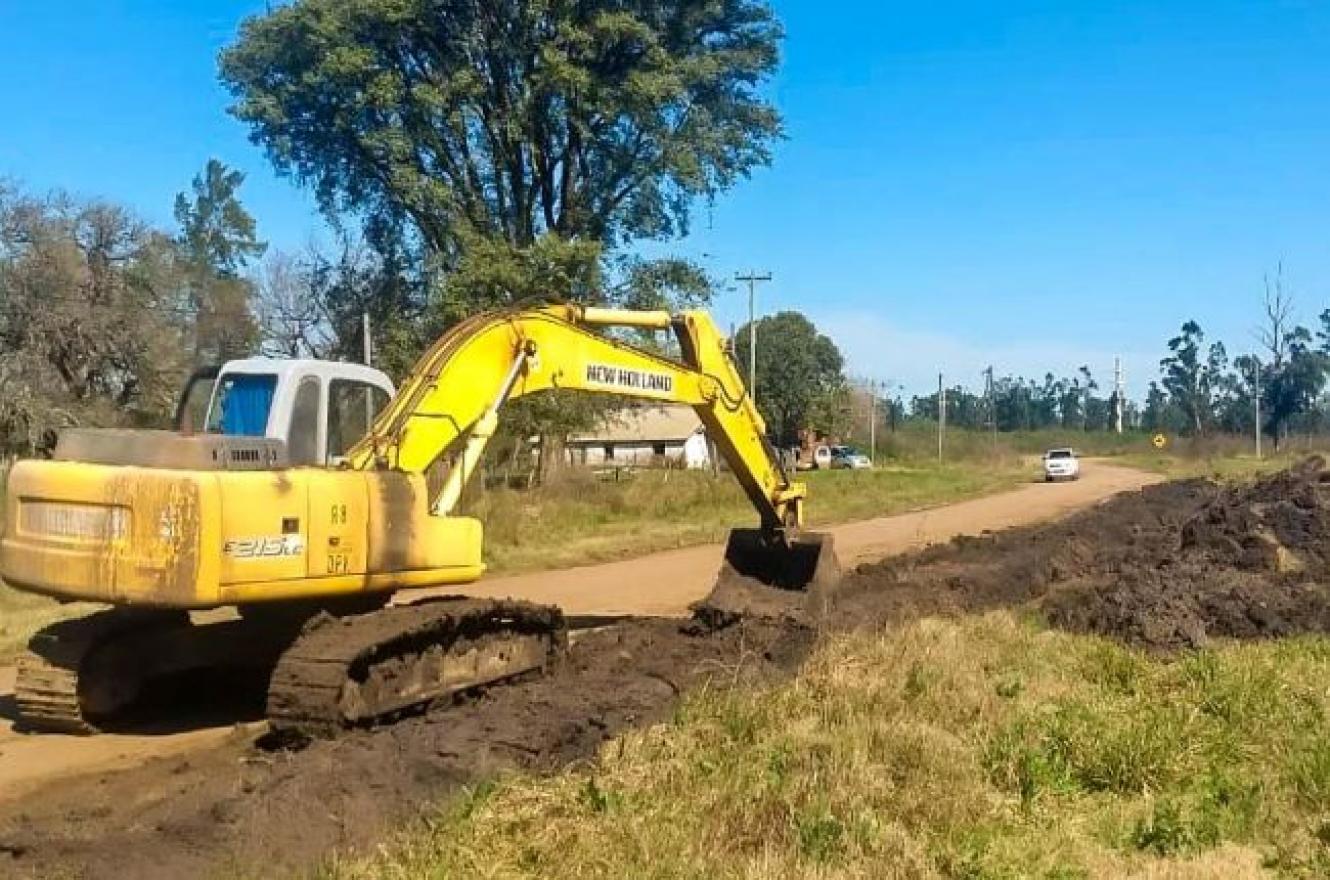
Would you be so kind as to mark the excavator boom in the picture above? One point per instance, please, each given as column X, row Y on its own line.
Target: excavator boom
column 455, row 392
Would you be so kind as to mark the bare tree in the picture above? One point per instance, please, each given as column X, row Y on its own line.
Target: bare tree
column 1278, row 307
column 292, row 311
column 1295, row 371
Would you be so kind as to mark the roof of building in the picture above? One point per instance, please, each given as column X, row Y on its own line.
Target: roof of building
column 644, row 424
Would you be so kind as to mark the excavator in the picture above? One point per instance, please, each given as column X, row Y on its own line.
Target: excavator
column 309, row 493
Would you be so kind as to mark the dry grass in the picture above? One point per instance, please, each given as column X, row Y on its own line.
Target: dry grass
column 22, row 614
column 1216, row 467
column 980, row 748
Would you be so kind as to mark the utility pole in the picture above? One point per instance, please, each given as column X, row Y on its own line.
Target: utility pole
column 872, row 420
column 992, row 404
column 369, row 362
column 1256, row 400
column 941, row 415
column 1119, row 395
column 752, row 279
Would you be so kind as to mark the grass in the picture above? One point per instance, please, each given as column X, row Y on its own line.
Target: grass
column 22, row 614
column 984, row 748
column 582, row 518
column 1222, row 468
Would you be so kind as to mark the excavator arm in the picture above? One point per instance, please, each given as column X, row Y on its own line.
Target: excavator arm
column 450, row 404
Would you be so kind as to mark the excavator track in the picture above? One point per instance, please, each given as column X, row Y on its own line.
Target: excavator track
column 57, row 690
column 355, row 671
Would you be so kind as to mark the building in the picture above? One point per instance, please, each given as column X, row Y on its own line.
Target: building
column 644, row 436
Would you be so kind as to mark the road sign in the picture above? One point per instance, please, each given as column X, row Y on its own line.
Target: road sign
column 1160, row 441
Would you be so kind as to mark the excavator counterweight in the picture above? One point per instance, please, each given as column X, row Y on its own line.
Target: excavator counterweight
column 304, row 502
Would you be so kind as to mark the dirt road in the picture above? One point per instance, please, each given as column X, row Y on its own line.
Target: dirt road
column 662, row 584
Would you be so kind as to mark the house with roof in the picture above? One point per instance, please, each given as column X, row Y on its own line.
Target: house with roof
column 643, row 436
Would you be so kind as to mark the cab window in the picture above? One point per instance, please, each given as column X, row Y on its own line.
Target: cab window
column 352, row 406
column 303, row 438
column 191, row 412
column 241, row 405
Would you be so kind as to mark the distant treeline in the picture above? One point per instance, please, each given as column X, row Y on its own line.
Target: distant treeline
column 1200, row 389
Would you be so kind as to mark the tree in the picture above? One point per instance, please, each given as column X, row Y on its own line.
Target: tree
column 601, row 120
column 1235, row 395
column 292, row 310
column 1291, row 386
column 91, row 319
column 217, row 240
column 215, row 229
column 1190, row 374
column 799, row 374
column 1155, row 416
column 1295, row 372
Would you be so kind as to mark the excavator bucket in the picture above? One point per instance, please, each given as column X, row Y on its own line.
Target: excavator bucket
column 764, row 576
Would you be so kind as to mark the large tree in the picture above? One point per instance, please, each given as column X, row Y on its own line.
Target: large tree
column 93, row 317
column 799, row 374
column 587, row 119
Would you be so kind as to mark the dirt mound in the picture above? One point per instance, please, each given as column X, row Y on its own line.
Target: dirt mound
column 1250, row 562
column 1168, row 567
column 1280, row 523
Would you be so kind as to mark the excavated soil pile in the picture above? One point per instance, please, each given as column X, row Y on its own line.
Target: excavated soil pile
column 1166, row 568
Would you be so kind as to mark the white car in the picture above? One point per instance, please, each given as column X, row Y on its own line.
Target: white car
column 849, row 458
column 1061, row 464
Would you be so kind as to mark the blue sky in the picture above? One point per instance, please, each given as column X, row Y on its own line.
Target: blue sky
column 1035, row 185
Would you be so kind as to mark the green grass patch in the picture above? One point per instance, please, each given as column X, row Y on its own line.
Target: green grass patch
column 979, row 748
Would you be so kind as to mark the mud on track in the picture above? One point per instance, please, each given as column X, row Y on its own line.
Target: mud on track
column 1170, row 567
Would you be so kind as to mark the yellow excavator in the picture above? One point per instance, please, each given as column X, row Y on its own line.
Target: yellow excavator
column 301, row 497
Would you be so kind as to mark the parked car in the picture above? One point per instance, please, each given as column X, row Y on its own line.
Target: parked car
column 821, row 457
column 849, row 458
column 1061, row 464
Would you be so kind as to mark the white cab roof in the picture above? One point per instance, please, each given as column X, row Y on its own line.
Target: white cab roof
column 283, row 367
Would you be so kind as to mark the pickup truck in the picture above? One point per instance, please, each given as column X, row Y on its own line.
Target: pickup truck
column 1061, row 464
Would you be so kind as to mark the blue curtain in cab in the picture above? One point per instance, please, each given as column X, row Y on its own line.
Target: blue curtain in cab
column 245, row 405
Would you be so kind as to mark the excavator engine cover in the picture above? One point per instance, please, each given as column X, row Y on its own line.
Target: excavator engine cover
column 766, row 576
